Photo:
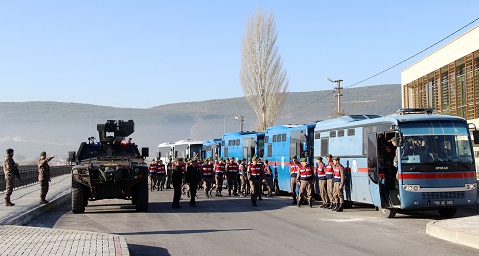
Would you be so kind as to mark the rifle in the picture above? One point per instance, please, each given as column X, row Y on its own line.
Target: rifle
column 16, row 172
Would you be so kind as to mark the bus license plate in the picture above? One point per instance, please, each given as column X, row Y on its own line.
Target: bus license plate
column 444, row 203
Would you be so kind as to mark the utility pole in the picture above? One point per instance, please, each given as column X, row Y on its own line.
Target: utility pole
column 338, row 93
column 241, row 120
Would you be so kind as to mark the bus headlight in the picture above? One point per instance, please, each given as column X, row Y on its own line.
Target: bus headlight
column 414, row 188
column 471, row 186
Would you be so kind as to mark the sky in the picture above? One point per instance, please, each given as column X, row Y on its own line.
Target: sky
column 142, row 54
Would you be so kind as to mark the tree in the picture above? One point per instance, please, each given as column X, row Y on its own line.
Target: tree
column 262, row 78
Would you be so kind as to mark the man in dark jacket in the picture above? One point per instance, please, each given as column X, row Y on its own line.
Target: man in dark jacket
column 177, row 180
column 193, row 178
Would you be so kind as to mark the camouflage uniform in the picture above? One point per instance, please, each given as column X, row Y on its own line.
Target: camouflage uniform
column 44, row 176
column 9, row 166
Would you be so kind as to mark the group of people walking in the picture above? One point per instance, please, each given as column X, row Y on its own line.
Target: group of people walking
column 251, row 178
column 10, row 170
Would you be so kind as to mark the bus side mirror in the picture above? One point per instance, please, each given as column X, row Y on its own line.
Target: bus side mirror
column 475, row 134
column 145, row 152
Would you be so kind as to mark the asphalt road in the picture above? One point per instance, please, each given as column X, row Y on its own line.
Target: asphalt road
column 231, row 226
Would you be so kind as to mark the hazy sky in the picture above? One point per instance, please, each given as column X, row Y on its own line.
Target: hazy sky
column 142, row 54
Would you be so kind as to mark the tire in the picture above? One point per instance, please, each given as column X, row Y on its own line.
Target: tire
column 447, row 212
column 142, row 196
column 78, row 197
column 387, row 212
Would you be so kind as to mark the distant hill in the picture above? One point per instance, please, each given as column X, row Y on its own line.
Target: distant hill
column 56, row 127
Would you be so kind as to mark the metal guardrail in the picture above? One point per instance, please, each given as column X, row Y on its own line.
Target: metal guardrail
column 29, row 175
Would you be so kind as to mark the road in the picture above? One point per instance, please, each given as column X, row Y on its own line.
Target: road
column 231, row 226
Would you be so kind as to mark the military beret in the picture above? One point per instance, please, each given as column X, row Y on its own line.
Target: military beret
column 221, row 159
column 319, row 158
column 336, row 158
column 9, row 151
column 179, row 159
column 232, row 158
column 194, row 159
column 329, row 155
column 303, row 159
column 392, row 139
column 254, row 159
column 295, row 157
column 266, row 161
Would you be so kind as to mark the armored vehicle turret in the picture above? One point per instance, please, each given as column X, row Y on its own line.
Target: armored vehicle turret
column 111, row 167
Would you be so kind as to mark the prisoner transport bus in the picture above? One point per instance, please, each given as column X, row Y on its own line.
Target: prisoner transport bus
column 434, row 168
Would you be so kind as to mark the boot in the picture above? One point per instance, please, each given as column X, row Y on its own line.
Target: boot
column 340, row 208
column 43, row 201
column 8, row 203
column 325, row 205
column 299, row 203
column 311, row 204
column 294, row 201
column 332, row 206
column 254, row 202
column 336, row 206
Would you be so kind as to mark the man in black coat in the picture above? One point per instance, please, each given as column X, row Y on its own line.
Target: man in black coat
column 177, row 180
column 192, row 178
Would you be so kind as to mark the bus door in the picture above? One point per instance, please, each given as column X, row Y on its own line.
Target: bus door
column 373, row 171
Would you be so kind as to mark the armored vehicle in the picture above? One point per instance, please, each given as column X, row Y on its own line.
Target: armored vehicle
column 111, row 167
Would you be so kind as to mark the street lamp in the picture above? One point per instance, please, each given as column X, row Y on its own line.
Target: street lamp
column 339, row 92
column 241, row 120
column 224, row 125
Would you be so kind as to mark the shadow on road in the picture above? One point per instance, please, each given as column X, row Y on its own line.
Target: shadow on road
column 182, row 232
column 137, row 249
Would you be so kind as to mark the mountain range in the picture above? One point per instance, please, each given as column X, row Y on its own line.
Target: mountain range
column 57, row 127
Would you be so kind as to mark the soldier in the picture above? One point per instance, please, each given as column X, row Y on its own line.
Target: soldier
column 255, row 176
column 161, row 175
column 192, row 178
column 320, row 168
column 306, row 178
column 219, row 172
column 207, row 173
column 176, row 179
column 242, row 177
column 169, row 170
column 152, row 174
column 338, row 185
column 293, row 171
column 329, row 180
column 268, row 178
column 44, row 175
column 9, row 169
column 232, row 172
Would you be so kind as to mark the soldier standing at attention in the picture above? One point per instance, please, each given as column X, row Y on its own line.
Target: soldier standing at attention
column 293, row 171
column 338, row 185
column 306, row 177
column 329, row 180
column 44, row 175
column 219, row 172
column 9, row 168
column 232, row 172
column 320, row 168
column 268, row 178
column 176, row 180
column 192, row 178
column 152, row 173
column 255, row 177
column 207, row 173
column 161, row 175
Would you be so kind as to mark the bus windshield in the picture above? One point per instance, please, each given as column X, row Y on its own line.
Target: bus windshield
column 433, row 149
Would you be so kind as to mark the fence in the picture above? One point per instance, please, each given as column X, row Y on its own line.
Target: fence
column 29, row 175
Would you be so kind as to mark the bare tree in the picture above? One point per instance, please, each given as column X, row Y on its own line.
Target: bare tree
column 262, row 78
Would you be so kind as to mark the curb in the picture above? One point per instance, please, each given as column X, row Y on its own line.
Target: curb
column 29, row 215
column 435, row 229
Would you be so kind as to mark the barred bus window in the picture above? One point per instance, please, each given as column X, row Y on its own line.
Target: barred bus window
column 237, row 142
column 351, row 132
column 266, row 138
column 332, row 134
column 270, row 150
column 341, row 133
column 284, row 137
column 274, row 138
column 317, row 135
column 324, row 146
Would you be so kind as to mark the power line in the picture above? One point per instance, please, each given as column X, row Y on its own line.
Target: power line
column 377, row 74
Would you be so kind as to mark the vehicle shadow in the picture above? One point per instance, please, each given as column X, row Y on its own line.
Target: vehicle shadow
column 137, row 249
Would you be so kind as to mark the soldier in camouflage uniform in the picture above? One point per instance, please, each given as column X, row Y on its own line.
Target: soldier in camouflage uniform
column 9, row 167
column 44, row 175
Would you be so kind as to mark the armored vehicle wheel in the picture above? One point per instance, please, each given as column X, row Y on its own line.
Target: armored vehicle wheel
column 141, row 196
column 78, row 197
column 447, row 212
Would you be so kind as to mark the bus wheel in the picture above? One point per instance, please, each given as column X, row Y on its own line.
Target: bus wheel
column 387, row 212
column 447, row 212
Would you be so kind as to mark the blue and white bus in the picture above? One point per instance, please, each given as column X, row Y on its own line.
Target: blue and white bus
column 432, row 167
column 242, row 145
column 283, row 142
